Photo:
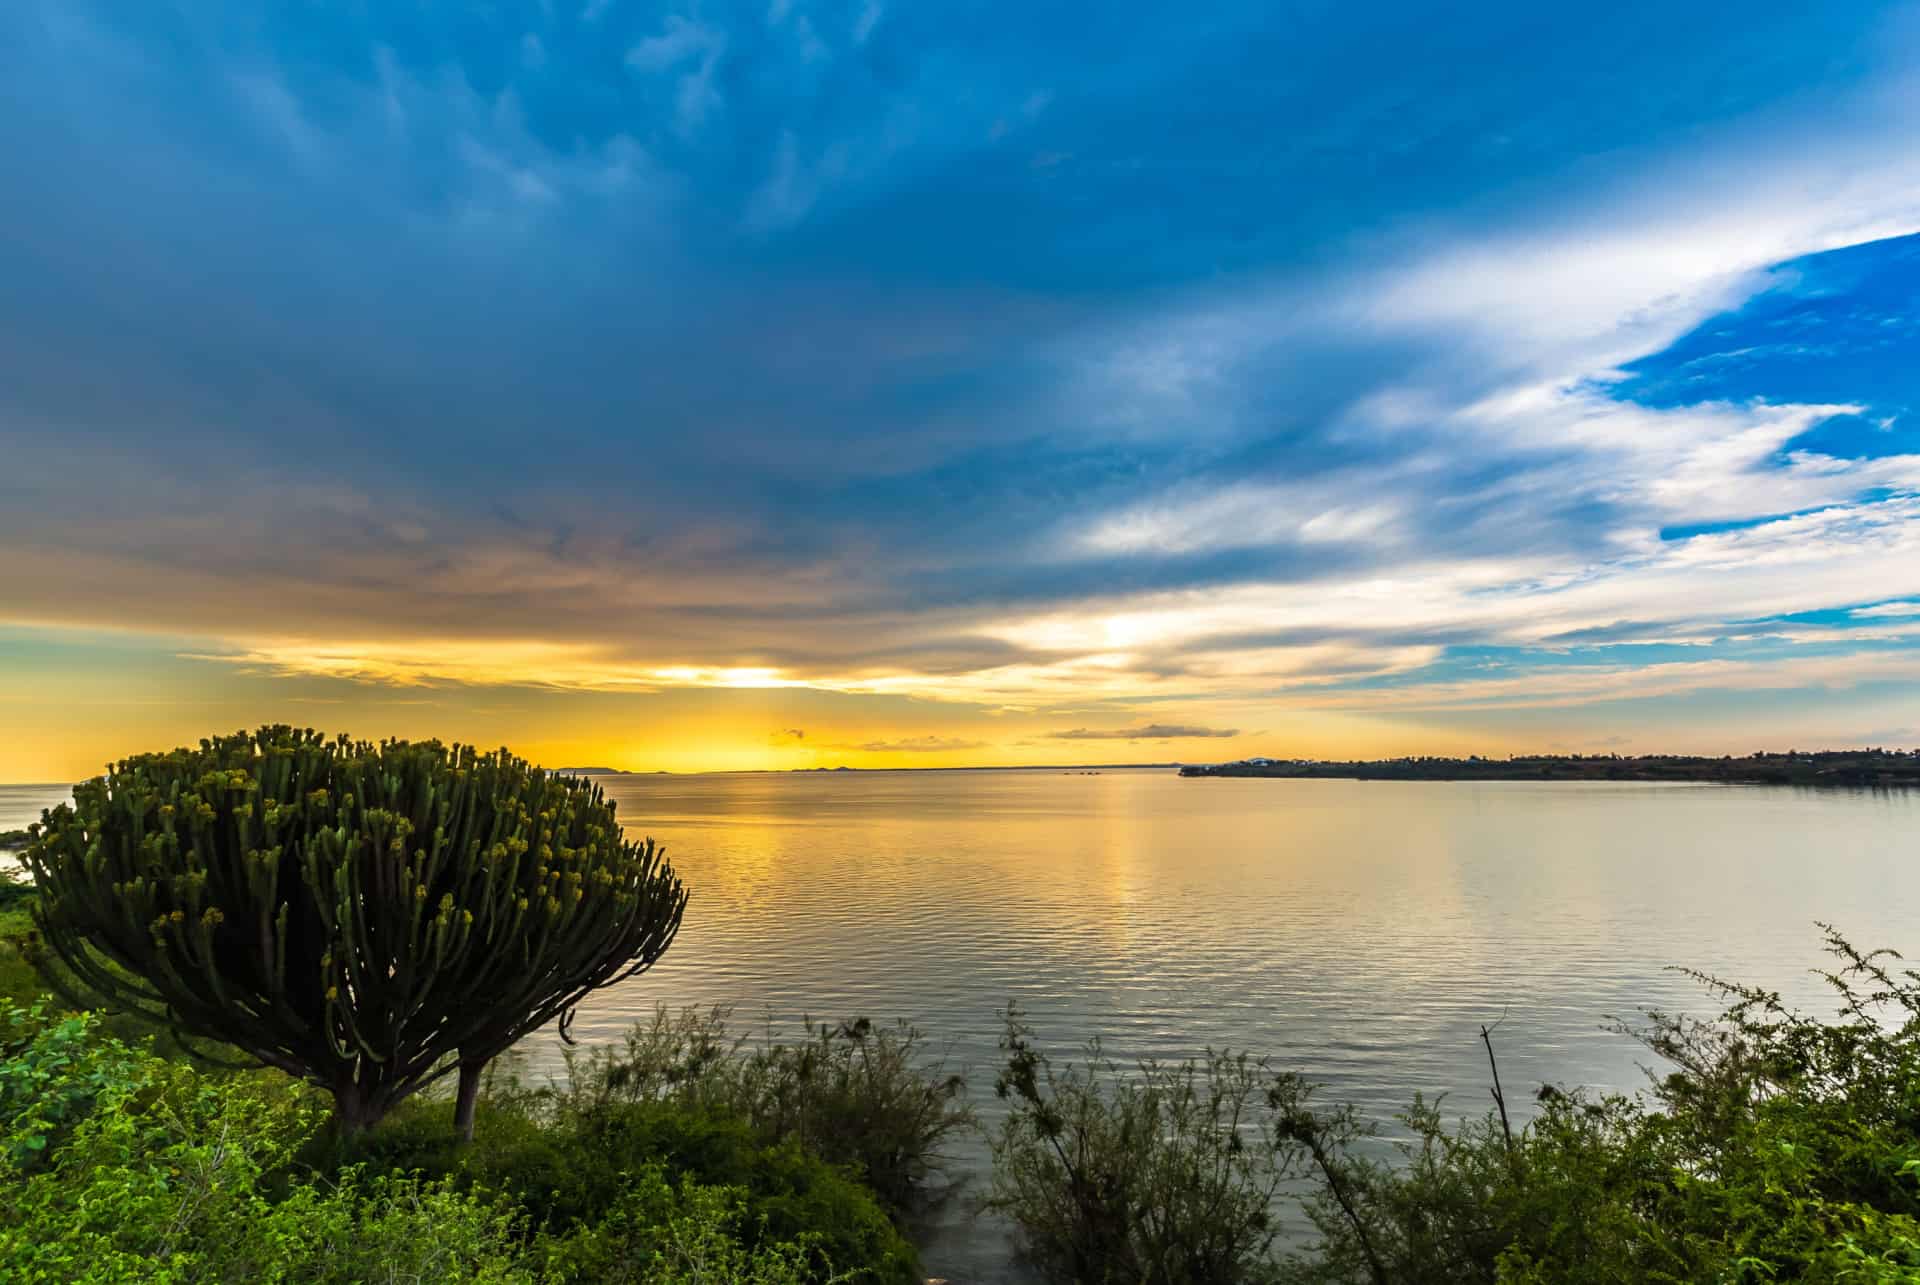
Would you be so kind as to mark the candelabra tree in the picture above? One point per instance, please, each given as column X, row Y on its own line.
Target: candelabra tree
column 366, row 917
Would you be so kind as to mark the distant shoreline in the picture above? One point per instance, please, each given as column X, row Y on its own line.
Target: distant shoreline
column 869, row 771
column 1853, row 768
column 1826, row 767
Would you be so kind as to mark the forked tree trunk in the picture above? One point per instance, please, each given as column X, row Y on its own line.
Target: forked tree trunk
column 355, row 1109
column 466, row 1098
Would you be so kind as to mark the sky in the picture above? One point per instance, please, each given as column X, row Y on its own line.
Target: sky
column 796, row 384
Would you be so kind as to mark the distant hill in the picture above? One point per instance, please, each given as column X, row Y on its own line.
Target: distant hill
column 1828, row 767
column 592, row 771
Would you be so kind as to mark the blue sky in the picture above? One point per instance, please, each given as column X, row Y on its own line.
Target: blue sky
column 1345, row 378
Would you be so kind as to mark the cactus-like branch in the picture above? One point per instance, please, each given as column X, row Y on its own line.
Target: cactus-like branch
column 365, row 916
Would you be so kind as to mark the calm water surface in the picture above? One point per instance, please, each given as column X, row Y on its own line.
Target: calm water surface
column 1358, row 931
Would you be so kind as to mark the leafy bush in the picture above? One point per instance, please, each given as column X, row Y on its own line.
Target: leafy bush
column 657, row 1232
column 1778, row 1147
column 1159, row 1178
column 1461, row 1198
column 19, row 980
column 15, row 892
column 123, row 1167
column 860, row 1095
column 573, row 1170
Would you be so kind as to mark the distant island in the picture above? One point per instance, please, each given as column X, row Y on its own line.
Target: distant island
column 1828, row 767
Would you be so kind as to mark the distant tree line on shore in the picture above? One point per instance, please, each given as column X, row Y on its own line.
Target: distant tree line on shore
column 1867, row 767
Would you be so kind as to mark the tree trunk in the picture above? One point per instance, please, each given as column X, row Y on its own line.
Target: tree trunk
column 352, row 1112
column 467, row 1096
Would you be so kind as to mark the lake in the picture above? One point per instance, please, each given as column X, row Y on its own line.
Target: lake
column 1359, row 931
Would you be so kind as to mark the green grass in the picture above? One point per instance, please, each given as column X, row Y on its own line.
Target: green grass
column 18, row 980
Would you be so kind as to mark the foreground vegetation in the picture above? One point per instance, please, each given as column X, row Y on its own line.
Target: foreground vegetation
column 124, row 1166
column 1778, row 1147
column 687, row 1154
column 336, row 926
column 332, row 921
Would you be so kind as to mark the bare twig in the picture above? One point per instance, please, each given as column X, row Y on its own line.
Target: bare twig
column 1499, row 1098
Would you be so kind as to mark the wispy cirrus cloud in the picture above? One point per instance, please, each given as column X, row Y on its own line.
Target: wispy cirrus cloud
column 1147, row 732
column 929, row 744
column 691, row 50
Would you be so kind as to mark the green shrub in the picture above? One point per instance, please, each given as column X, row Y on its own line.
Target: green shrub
column 15, row 892
column 571, row 1170
column 120, row 1166
column 1779, row 1147
column 1154, row 1178
column 1460, row 1199
column 662, row 1234
column 863, row 1096
column 19, row 980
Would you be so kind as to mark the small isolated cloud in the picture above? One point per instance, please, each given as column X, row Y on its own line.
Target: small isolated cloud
column 915, row 745
column 812, row 48
column 788, row 735
column 789, row 191
column 680, row 43
column 1149, row 732
column 677, row 41
column 1588, row 746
